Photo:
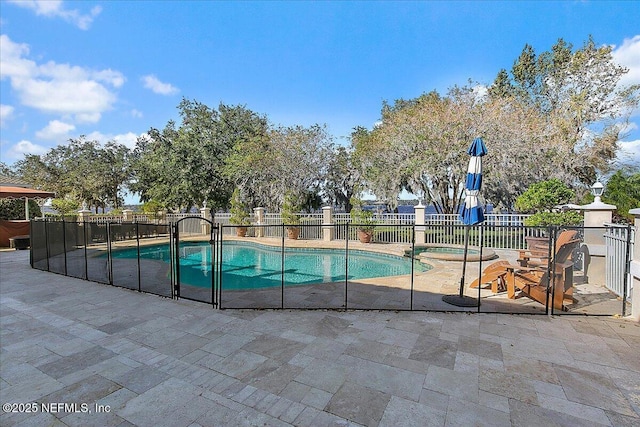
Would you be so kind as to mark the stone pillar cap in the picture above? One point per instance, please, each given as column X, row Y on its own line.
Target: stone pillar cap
column 635, row 211
column 595, row 206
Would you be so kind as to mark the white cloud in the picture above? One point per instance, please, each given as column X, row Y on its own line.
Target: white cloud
column 56, row 9
column 628, row 55
column 23, row 147
column 136, row 113
column 58, row 88
column 55, row 130
column 6, row 113
column 127, row 139
column 151, row 82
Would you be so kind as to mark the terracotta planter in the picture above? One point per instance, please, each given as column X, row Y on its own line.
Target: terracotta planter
column 241, row 231
column 365, row 236
column 293, row 233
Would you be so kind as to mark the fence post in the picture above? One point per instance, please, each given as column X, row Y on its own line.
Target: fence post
column 259, row 215
column 635, row 268
column 205, row 226
column 161, row 216
column 83, row 214
column 127, row 215
column 419, row 221
column 596, row 214
column 327, row 224
column 83, row 219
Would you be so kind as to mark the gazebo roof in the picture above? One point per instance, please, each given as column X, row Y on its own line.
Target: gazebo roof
column 12, row 192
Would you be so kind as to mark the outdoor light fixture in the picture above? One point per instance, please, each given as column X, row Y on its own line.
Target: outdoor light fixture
column 597, row 189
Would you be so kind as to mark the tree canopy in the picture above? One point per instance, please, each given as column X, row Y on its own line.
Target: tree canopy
column 82, row 170
column 623, row 191
column 579, row 92
column 185, row 166
column 556, row 115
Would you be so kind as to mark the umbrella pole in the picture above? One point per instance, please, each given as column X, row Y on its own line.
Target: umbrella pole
column 462, row 300
column 464, row 259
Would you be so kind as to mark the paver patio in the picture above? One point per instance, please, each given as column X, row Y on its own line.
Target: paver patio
column 158, row 362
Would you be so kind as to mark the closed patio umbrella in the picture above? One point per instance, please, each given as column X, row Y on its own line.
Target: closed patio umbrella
column 472, row 213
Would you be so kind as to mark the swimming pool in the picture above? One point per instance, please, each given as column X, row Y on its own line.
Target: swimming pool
column 449, row 252
column 253, row 266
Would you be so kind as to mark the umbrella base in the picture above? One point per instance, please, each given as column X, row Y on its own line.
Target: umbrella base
column 461, row 301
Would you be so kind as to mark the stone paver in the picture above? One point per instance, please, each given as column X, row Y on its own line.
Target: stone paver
column 153, row 361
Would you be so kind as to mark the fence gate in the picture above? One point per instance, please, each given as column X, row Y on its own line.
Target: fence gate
column 196, row 260
column 619, row 245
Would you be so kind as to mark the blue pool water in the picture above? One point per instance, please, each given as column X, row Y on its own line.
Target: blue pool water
column 254, row 266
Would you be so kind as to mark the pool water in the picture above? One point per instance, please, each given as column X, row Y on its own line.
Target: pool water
column 253, row 266
column 445, row 250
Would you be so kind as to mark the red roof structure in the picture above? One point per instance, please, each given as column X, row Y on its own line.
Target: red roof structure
column 7, row 192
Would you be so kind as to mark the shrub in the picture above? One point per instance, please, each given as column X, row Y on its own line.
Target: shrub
column 14, row 209
column 239, row 211
column 543, row 219
column 290, row 207
column 545, row 196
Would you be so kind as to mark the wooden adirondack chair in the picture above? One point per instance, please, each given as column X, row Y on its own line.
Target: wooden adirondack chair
column 494, row 276
column 538, row 254
column 531, row 277
column 536, row 282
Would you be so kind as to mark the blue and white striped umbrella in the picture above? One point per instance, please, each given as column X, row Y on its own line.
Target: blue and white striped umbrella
column 471, row 212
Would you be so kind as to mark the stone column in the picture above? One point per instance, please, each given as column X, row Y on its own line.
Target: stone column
column 205, row 225
column 635, row 268
column 596, row 214
column 327, row 224
column 420, row 227
column 161, row 217
column 83, row 214
column 127, row 215
column 258, row 213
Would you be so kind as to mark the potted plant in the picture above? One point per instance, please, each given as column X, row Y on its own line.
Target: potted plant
column 288, row 213
column 362, row 219
column 543, row 198
column 239, row 214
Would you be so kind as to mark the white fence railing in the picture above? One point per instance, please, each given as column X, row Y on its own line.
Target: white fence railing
column 500, row 230
column 513, row 220
column 118, row 219
column 617, row 253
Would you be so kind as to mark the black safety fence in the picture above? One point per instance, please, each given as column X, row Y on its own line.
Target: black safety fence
column 110, row 253
column 488, row 269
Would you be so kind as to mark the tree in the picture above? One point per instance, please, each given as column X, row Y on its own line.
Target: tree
column 623, row 191
column 14, row 209
column 557, row 115
column 240, row 214
column 420, row 145
column 6, row 170
column 343, row 175
column 114, row 169
column 579, row 93
column 187, row 165
column 82, row 170
column 542, row 198
column 65, row 206
column 285, row 159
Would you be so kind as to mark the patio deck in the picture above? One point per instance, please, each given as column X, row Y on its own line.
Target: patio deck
column 158, row 362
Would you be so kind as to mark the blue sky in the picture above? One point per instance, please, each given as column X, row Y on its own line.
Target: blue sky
column 113, row 69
